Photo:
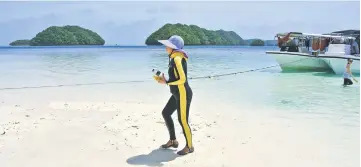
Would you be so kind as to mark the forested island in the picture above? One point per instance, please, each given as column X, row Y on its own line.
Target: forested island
column 257, row 42
column 194, row 35
column 61, row 36
column 21, row 42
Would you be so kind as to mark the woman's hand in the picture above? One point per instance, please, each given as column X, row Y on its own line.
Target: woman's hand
column 162, row 80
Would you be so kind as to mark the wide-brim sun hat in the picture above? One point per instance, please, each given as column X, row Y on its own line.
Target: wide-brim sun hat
column 174, row 42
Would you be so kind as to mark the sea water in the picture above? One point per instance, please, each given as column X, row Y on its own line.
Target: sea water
column 315, row 103
column 311, row 94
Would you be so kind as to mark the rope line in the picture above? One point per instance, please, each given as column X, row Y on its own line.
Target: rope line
column 140, row 81
column 69, row 85
column 246, row 71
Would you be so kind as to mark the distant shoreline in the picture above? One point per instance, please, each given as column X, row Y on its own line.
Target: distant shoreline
column 129, row 46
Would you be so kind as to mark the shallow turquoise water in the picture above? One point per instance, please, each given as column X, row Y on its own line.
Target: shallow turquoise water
column 303, row 94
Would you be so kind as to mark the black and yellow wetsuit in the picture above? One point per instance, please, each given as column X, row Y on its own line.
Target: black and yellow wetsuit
column 181, row 96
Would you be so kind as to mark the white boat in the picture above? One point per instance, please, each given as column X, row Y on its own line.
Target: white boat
column 337, row 62
column 298, row 61
column 323, row 52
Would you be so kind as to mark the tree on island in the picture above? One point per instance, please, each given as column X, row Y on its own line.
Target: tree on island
column 21, row 42
column 194, row 35
column 66, row 35
column 257, row 42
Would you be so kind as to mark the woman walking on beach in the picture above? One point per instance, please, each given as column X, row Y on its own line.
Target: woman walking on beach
column 181, row 93
column 347, row 75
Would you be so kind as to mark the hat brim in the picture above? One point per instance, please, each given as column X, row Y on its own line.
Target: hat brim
column 167, row 43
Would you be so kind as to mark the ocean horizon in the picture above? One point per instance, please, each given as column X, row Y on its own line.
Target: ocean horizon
column 129, row 46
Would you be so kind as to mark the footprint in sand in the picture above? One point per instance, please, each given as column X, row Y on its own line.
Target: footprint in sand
column 136, row 127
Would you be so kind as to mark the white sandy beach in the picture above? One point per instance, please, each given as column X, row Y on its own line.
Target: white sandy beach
column 87, row 130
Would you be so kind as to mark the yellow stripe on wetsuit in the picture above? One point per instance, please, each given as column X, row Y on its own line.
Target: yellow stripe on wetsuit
column 183, row 96
column 178, row 62
column 183, row 108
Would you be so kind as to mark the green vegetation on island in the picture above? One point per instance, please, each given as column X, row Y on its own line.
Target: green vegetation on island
column 266, row 42
column 66, row 35
column 21, row 42
column 248, row 41
column 194, row 35
column 257, row 42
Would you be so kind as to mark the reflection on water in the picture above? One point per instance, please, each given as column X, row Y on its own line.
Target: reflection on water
column 70, row 63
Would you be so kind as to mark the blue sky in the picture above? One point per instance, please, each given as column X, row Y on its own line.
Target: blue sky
column 129, row 23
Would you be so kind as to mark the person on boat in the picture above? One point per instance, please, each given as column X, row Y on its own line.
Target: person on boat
column 328, row 40
column 295, row 42
column 281, row 41
column 358, row 41
column 293, row 45
column 182, row 94
column 354, row 48
column 307, row 43
column 324, row 44
column 347, row 75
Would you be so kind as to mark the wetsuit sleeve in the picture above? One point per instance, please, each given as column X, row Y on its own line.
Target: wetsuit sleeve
column 182, row 76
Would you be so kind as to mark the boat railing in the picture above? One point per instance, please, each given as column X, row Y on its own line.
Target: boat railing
column 315, row 44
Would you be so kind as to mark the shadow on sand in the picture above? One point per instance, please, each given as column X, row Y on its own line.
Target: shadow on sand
column 154, row 158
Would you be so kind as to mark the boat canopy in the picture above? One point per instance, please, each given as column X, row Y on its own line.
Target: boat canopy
column 346, row 33
column 304, row 35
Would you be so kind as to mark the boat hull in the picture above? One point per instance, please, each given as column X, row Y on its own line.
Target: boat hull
column 338, row 65
column 299, row 62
